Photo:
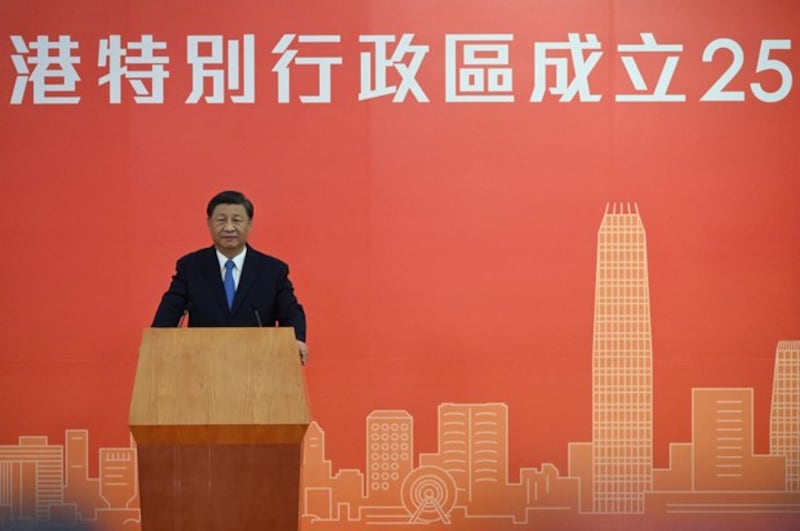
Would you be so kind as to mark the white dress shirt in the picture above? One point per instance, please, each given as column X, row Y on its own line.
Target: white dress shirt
column 238, row 263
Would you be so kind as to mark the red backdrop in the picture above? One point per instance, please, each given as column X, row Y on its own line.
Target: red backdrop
column 444, row 251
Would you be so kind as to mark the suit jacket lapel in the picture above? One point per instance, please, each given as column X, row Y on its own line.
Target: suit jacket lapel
column 250, row 272
column 214, row 276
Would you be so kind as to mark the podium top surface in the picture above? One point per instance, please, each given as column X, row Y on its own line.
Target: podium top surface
column 245, row 380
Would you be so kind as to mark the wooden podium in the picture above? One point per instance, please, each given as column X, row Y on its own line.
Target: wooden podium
column 219, row 416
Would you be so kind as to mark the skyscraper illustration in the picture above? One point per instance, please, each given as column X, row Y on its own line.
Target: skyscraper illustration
column 622, row 374
column 784, row 427
column 79, row 487
column 390, row 454
column 32, row 478
column 722, row 436
column 473, row 450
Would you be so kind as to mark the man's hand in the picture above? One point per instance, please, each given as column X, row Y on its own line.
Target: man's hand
column 303, row 348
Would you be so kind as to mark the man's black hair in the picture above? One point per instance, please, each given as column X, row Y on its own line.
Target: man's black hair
column 230, row 197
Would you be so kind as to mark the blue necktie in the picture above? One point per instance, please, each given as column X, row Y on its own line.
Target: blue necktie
column 230, row 287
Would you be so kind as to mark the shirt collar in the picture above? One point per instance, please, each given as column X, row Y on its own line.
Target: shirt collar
column 238, row 260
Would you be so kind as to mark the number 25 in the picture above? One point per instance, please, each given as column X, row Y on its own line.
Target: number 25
column 717, row 91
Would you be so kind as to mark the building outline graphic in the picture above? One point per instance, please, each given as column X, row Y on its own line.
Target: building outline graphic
column 622, row 366
column 785, row 413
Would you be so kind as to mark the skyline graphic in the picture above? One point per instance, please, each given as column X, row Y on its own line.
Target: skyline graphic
column 49, row 484
column 465, row 483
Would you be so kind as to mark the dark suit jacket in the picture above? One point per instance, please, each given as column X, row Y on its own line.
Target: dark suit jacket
column 264, row 288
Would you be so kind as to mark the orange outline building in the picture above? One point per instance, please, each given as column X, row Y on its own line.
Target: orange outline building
column 473, row 450
column 32, row 481
column 390, row 454
column 622, row 366
column 784, row 427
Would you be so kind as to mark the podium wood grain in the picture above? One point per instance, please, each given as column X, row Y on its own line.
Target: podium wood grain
column 218, row 415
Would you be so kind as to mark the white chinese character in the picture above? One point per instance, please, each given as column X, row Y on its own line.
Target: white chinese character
column 660, row 92
column 376, row 86
column 582, row 67
column 112, row 55
column 477, row 68
column 51, row 73
column 324, row 65
column 212, row 65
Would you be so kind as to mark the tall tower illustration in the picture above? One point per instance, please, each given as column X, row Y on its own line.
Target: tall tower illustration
column 622, row 374
column 784, row 426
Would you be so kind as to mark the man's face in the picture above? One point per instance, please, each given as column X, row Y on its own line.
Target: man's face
column 229, row 226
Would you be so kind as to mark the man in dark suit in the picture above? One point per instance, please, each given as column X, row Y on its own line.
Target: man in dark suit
column 230, row 283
